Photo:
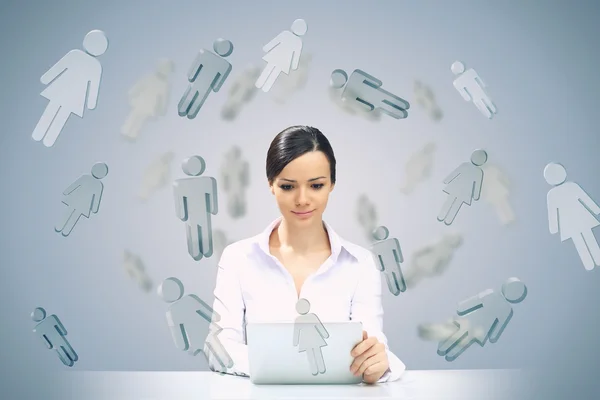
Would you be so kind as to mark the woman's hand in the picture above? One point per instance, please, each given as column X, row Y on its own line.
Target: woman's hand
column 370, row 359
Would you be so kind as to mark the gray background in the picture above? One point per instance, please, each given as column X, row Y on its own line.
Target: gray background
column 540, row 61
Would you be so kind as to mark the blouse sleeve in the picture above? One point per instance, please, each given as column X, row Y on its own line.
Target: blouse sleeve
column 366, row 308
column 225, row 343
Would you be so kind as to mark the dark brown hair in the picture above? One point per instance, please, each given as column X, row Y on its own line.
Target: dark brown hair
column 293, row 142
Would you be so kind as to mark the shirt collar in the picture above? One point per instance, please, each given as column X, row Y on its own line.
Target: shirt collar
column 337, row 243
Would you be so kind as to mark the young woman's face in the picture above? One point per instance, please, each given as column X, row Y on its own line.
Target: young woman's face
column 302, row 188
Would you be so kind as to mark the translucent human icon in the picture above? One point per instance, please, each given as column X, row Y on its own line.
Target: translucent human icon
column 365, row 90
column 486, row 314
column 463, row 185
column 438, row 332
column 235, row 178
column 148, row 98
column 432, row 260
column 208, row 73
column 572, row 212
column 366, row 214
column 156, row 175
column 309, row 336
column 471, row 88
column 426, row 99
column 352, row 108
column 283, row 54
column 388, row 257
column 72, row 84
column 418, row 168
column 53, row 334
column 82, row 197
column 496, row 192
column 241, row 91
column 193, row 323
column 195, row 201
column 135, row 270
column 287, row 85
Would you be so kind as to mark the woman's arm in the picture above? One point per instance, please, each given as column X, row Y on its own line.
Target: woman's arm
column 366, row 307
column 229, row 306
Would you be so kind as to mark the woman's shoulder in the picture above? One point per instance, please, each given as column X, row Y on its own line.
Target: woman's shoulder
column 360, row 253
column 242, row 247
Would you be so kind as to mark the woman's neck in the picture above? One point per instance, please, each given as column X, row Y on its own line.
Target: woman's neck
column 300, row 239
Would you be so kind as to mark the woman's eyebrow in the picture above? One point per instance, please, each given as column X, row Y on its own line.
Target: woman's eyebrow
column 310, row 180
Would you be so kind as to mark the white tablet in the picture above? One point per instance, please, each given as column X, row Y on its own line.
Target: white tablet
column 320, row 356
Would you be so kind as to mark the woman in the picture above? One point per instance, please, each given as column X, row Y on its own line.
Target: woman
column 261, row 279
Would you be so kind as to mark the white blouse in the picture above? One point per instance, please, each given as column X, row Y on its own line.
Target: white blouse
column 253, row 286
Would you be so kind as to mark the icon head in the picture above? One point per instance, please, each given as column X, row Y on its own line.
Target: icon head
column 479, row 157
column 302, row 306
column 193, row 166
column 513, row 290
column 165, row 66
column 223, row 47
column 38, row 314
column 381, row 233
column 170, row 290
column 555, row 174
column 339, row 77
column 95, row 43
column 457, row 68
column 99, row 170
column 299, row 27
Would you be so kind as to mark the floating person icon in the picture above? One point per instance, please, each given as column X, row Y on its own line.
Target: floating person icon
column 156, row 175
column 470, row 86
column 496, row 192
column 482, row 317
column 208, row 73
column 309, row 336
column 571, row 211
column 73, row 82
column 135, row 269
column 366, row 214
column 288, row 84
column 53, row 333
column 426, row 99
column 283, row 53
column 241, row 91
column 463, row 185
column 418, row 168
column 432, row 259
column 192, row 323
column 388, row 257
column 195, row 200
column 148, row 98
column 366, row 90
column 82, row 198
column 235, row 179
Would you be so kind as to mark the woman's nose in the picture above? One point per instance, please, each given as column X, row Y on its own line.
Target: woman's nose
column 302, row 197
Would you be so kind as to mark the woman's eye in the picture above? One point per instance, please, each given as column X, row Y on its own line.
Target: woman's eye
column 318, row 185
column 285, row 187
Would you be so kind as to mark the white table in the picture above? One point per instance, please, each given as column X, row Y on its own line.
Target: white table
column 442, row 384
